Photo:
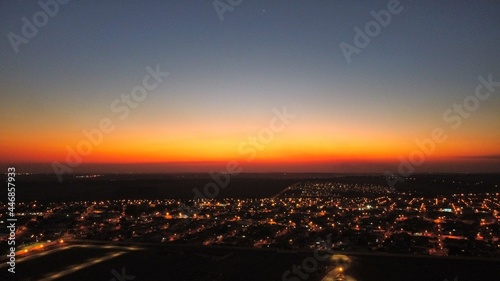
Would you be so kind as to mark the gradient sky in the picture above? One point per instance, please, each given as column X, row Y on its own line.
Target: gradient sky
column 226, row 77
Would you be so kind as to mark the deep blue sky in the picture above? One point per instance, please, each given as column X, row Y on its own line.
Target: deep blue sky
column 230, row 74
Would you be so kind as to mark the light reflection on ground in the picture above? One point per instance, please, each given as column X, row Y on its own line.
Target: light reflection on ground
column 340, row 269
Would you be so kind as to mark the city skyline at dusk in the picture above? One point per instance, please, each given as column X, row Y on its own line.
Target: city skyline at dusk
column 247, row 140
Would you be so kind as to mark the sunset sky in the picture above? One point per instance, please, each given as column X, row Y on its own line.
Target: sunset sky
column 227, row 78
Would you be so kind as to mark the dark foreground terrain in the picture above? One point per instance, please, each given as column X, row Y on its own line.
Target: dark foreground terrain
column 186, row 263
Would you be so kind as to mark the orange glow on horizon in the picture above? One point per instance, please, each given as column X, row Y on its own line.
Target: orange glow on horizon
column 296, row 145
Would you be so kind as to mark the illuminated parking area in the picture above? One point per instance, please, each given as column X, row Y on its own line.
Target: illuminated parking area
column 74, row 268
column 48, row 263
column 26, row 255
column 39, row 250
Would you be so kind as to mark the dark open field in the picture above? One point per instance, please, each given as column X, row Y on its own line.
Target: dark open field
column 179, row 264
column 123, row 186
column 46, row 187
